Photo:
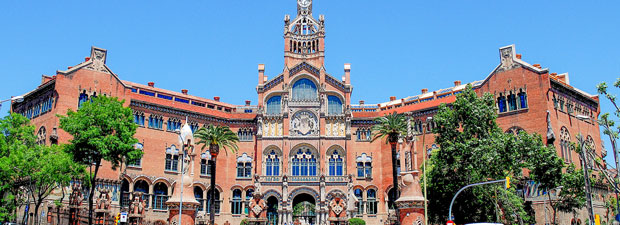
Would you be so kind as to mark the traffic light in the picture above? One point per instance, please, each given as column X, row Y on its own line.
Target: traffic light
column 118, row 217
column 507, row 183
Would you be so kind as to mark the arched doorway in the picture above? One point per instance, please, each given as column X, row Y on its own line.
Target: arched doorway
column 125, row 193
column 272, row 210
column 304, row 209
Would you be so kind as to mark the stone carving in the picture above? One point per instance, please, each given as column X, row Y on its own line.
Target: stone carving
column 304, row 123
column 258, row 206
column 550, row 134
column 76, row 197
column 138, row 204
column 351, row 194
column 259, row 122
column 507, row 59
column 98, row 58
column 104, row 200
column 337, row 206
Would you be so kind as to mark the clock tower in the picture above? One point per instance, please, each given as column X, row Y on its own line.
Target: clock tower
column 304, row 37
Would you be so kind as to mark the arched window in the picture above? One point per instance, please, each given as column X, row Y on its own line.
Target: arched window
column 391, row 198
column 173, row 124
column 172, row 159
column 335, row 164
column 137, row 162
column 304, row 163
column 199, row 195
column 142, row 187
column 360, row 200
column 205, row 169
column 304, row 90
column 501, row 103
column 523, row 99
column 138, row 118
column 272, row 164
column 371, row 201
column 217, row 201
column 160, row 196
column 364, row 166
column 512, row 102
column 83, row 98
column 274, row 105
column 235, row 202
column 565, row 145
column 248, row 197
column 41, row 136
column 334, row 105
column 244, row 166
column 125, row 193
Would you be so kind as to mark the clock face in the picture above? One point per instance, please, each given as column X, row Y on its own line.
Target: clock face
column 304, row 3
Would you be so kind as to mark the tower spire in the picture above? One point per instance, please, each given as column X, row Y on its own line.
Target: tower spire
column 304, row 7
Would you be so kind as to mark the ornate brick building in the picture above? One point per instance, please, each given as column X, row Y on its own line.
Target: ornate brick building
column 306, row 143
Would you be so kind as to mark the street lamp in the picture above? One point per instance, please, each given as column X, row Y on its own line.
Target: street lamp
column 428, row 120
column 17, row 99
column 186, row 138
column 585, row 170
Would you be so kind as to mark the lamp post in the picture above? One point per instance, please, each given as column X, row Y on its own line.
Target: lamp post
column 17, row 99
column 424, row 127
column 186, row 139
column 585, row 170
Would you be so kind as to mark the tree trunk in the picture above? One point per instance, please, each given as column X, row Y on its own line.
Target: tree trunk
column 212, row 200
column 36, row 210
column 92, row 192
column 395, row 181
column 59, row 205
column 552, row 207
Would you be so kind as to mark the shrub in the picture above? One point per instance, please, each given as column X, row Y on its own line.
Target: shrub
column 356, row 221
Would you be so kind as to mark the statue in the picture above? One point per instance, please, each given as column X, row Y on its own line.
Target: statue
column 137, row 205
column 336, row 207
column 76, row 197
column 259, row 124
column 352, row 198
column 257, row 207
column 103, row 202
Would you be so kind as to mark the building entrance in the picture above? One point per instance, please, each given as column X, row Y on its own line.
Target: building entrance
column 272, row 211
column 304, row 209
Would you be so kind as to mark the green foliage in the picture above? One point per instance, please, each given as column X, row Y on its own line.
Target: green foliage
column 220, row 136
column 299, row 208
column 244, row 222
column 101, row 129
column 390, row 127
column 356, row 221
column 474, row 149
column 16, row 140
column 572, row 194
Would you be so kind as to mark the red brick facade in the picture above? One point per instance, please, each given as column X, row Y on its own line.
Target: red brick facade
column 304, row 117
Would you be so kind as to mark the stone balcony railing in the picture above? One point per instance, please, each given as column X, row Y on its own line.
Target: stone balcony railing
column 305, row 179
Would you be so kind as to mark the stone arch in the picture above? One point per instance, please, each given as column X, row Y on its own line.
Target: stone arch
column 314, row 80
column 313, row 149
column 144, row 178
column 162, row 180
column 372, row 186
column 304, row 190
column 514, row 130
column 272, row 94
column 126, row 177
column 268, row 149
column 336, row 192
column 335, row 147
column 217, row 187
column 200, row 184
column 246, row 188
column 236, row 186
column 272, row 193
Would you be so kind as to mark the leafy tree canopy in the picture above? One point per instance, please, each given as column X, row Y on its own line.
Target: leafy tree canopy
column 474, row 149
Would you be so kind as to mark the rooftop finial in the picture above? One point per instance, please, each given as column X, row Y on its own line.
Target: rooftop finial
column 304, row 7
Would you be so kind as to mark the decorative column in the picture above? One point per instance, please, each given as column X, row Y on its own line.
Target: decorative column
column 182, row 206
column 411, row 202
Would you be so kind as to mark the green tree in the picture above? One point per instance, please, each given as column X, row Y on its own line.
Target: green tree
column 102, row 130
column 45, row 168
column 216, row 137
column 391, row 127
column 474, row 149
column 16, row 139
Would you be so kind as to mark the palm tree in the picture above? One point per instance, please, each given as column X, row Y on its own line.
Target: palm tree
column 391, row 127
column 216, row 137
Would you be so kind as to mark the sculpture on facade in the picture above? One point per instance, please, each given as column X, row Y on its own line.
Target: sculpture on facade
column 336, row 207
column 104, row 201
column 138, row 204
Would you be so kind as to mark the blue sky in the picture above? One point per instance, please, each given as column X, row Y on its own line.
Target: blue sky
column 396, row 48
